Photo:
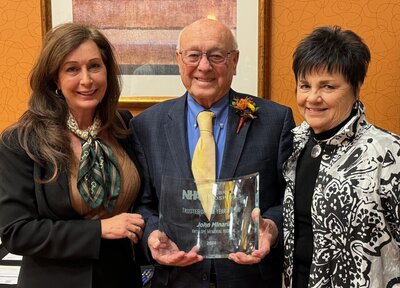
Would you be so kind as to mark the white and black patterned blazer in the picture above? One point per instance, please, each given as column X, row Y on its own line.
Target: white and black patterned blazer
column 355, row 208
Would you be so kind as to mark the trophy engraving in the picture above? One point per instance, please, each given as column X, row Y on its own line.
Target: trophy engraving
column 227, row 229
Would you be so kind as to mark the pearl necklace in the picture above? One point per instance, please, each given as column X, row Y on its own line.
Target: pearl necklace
column 88, row 134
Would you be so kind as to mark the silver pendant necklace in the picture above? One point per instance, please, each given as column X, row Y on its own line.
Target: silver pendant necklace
column 316, row 149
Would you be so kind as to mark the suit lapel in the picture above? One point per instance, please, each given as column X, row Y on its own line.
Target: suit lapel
column 234, row 142
column 55, row 197
column 175, row 133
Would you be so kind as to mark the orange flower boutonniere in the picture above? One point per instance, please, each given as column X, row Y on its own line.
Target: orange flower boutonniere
column 246, row 108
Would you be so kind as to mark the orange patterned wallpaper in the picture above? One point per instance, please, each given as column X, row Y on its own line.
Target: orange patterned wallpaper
column 20, row 38
column 376, row 21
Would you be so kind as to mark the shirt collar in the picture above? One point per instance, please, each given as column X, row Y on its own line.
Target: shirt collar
column 219, row 108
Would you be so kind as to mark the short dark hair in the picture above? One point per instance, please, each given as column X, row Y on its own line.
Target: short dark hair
column 335, row 50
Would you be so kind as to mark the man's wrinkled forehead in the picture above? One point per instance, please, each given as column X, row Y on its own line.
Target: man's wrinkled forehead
column 206, row 34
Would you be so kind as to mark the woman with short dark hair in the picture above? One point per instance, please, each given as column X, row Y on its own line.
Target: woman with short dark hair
column 342, row 201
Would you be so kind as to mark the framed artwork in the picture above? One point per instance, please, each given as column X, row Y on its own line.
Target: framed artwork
column 145, row 33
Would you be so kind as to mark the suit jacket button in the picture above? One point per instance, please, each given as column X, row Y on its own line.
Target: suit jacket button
column 204, row 277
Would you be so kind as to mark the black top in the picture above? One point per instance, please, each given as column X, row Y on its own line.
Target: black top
column 306, row 175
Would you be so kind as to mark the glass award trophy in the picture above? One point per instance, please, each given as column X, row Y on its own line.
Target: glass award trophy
column 217, row 220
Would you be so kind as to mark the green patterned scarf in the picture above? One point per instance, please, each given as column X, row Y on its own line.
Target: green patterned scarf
column 99, row 179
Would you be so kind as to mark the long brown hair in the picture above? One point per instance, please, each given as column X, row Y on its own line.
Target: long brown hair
column 41, row 130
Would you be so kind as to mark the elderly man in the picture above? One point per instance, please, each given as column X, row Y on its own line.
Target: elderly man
column 167, row 134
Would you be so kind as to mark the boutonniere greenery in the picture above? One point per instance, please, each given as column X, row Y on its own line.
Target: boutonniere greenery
column 246, row 108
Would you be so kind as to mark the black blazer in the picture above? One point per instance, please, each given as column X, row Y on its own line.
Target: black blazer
column 59, row 247
column 262, row 145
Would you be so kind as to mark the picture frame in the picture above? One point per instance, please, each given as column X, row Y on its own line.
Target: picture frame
column 252, row 73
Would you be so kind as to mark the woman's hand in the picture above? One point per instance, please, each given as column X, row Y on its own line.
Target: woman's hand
column 123, row 225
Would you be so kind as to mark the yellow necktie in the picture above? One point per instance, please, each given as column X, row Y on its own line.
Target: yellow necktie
column 203, row 162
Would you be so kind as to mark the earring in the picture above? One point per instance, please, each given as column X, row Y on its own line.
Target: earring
column 59, row 92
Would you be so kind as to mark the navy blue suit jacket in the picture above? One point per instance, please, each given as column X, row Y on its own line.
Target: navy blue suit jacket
column 262, row 145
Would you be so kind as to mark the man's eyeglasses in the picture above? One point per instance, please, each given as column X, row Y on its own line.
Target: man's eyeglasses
column 193, row 57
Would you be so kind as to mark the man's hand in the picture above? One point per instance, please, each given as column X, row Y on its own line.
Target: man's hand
column 268, row 235
column 165, row 251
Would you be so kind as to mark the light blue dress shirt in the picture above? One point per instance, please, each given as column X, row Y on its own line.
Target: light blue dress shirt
column 220, row 109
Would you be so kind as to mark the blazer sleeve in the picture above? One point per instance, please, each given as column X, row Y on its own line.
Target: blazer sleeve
column 24, row 229
column 147, row 202
column 284, row 151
